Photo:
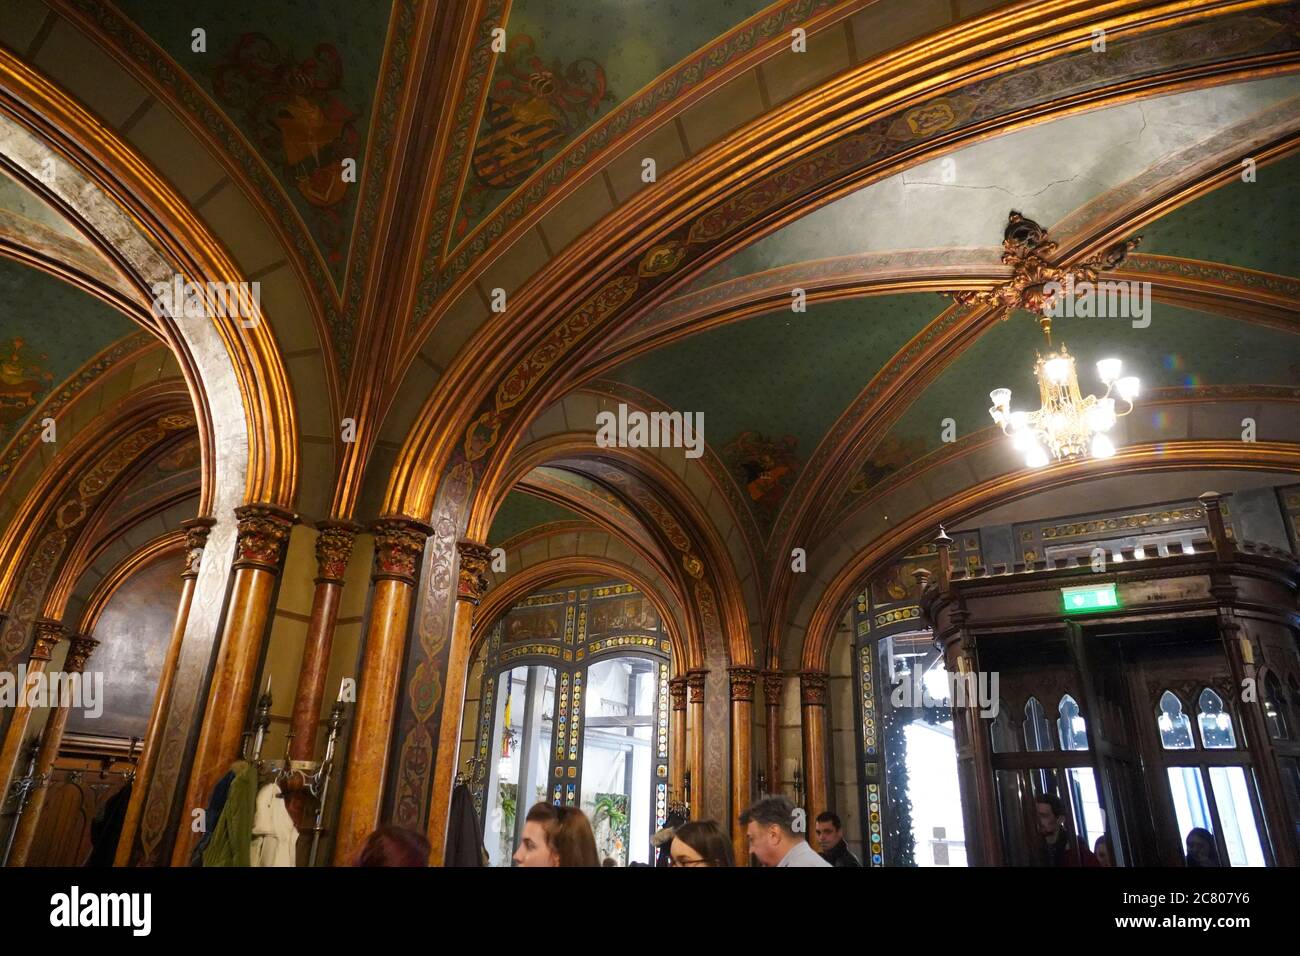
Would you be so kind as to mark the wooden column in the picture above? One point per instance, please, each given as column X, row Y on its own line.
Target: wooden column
column 742, row 759
column 695, row 685
column 79, row 651
column 399, row 543
column 333, row 551
column 773, row 685
column 1240, row 652
column 196, row 538
column 263, row 531
column 677, row 741
column 812, row 701
column 48, row 634
column 471, row 585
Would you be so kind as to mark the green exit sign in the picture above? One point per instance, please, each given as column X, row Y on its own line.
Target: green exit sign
column 1083, row 600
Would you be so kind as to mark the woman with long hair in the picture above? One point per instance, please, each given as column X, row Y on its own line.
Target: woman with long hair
column 556, row 836
column 394, row 846
column 701, row 843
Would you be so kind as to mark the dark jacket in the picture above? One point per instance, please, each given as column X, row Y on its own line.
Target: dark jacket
column 840, row 855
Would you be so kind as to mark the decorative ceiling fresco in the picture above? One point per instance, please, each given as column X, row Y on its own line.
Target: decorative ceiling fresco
column 298, row 78
column 770, row 386
column 521, row 512
column 566, row 65
column 1247, row 224
column 48, row 330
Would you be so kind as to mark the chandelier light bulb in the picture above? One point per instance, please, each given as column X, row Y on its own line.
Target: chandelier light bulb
column 1018, row 421
column 1036, row 458
column 1128, row 388
column 1102, row 446
column 1057, row 370
column 1001, row 398
column 1102, row 415
column 1109, row 370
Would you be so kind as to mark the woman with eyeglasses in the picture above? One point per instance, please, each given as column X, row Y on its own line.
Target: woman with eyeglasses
column 701, row 843
column 556, row 836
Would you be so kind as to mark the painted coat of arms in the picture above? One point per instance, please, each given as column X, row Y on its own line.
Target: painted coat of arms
column 532, row 107
column 298, row 120
column 764, row 467
column 23, row 378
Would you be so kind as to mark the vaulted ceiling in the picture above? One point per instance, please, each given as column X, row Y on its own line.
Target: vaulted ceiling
column 508, row 165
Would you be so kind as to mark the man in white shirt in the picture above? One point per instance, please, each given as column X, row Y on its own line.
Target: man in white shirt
column 769, row 824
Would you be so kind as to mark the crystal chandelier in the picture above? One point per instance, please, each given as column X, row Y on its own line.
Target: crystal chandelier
column 1068, row 424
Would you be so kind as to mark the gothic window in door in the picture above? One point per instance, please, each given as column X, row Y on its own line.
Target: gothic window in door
column 1211, row 792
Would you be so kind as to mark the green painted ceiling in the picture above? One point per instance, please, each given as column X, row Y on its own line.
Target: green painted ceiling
column 298, row 78
column 780, row 374
column 1242, row 224
column 601, row 52
column 18, row 199
column 521, row 511
column 1180, row 348
column 48, row 329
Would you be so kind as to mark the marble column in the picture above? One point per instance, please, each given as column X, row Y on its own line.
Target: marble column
column 695, row 685
column 48, row 634
column 263, row 531
column 742, row 754
column 773, row 685
column 196, row 538
column 399, row 544
column 677, row 741
column 813, row 705
column 471, row 585
column 333, row 551
column 79, row 651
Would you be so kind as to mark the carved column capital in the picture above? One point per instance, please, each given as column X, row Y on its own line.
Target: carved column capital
column 695, row 682
column 263, row 534
column 48, row 634
column 773, row 685
column 677, row 690
column 742, row 682
column 81, row 646
column 472, row 582
column 399, row 542
column 334, row 549
column 196, row 539
column 812, row 687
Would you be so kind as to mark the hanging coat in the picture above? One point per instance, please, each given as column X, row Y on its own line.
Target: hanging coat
column 464, row 848
column 232, row 836
column 275, row 838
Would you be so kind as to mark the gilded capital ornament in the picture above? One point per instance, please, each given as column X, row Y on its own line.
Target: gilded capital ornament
column 263, row 533
column 334, row 550
column 81, row 646
column 48, row 634
column 196, row 539
column 695, row 681
column 773, row 684
column 742, row 682
column 677, row 690
column 472, row 582
column 812, row 687
column 399, row 542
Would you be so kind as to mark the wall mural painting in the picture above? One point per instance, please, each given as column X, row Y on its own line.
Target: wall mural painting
column 764, row 467
column 624, row 614
column 898, row 583
column 886, row 458
column 533, row 106
column 299, row 121
column 24, row 378
column 534, row 624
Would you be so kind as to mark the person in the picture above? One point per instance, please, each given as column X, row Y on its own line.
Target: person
column 556, row 836
column 1062, row 847
column 830, row 834
column 394, row 846
column 1101, row 850
column 769, row 824
column 1201, row 848
column 701, row 843
column 608, row 862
